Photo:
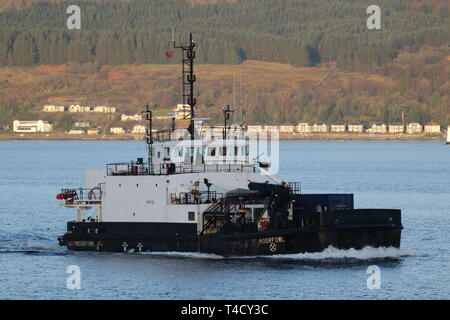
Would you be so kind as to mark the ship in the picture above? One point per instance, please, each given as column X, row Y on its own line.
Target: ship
column 207, row 189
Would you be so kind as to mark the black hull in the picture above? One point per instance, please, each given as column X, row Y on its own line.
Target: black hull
column 160, row 237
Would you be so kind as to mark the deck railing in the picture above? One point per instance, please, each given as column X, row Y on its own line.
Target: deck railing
column 82, row 196
column 195, row 197
column 134, row 169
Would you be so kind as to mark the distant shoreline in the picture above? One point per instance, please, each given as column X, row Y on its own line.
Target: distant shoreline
column 283, row 137
column 363, row 137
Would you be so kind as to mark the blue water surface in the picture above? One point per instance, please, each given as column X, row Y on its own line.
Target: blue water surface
column 412, row 176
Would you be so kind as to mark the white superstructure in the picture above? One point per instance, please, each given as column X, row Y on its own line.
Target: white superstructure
column 188, row 169
column 181, row 179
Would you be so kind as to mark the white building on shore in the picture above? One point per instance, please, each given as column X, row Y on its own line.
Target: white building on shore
column 287, row 129
column 396, row 128
column 338, row 127
column 255, row 128
column 379, row 128
column 32, row 126
column 139, row 129
column 304, row 128
column 117, row 130
column 76, row 131
column 432, row 127
column 92, row 131
column 413, row 128
column 320, row 128
column 355, row 128
column 271, row 127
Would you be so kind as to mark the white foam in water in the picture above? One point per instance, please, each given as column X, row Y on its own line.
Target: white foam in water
column 366, row 253
column 330, row 253
column 193, row 255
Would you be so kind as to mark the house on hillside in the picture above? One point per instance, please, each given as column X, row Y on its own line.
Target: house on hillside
column 76, row 131
column 81, row 124
column 414, row 128
column 355, row 128
column 320, row 128
column 378, row 128
column 255, row 128
column 134, row 117
column 92, row 131
column 304, row 128
column 271, row 127
column 79, row 108
column 117, row 130
column 287, row 129
column 104, row 109
column 396, row 128
column 53, row 108
column 338, row 127
column 432, row 127
column 139, row 129
column 32, row 126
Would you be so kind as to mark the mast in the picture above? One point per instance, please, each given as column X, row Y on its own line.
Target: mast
column 149, row 137
column 226, row 116
column 188, row 79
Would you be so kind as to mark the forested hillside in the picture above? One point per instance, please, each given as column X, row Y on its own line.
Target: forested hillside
column 416, row 82
column 287, row 60
column 298, row 32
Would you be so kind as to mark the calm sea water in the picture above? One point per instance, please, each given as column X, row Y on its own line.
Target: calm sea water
column 412, row 176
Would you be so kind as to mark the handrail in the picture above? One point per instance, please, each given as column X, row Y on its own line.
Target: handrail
column 195, row 197
column 81, row 195
column 134, row 169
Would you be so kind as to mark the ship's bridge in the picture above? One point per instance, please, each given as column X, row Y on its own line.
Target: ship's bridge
column 220, row 151
column 191, row 156
column 229, row 148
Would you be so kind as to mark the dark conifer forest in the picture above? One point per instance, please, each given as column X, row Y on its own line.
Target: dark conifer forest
column 298, row 32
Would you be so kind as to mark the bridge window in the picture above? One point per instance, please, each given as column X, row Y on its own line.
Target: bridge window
column 166, row 152
column 212, row 151
column 246, row 150
column 191, row 216
column 223, row 151
column 178, row 152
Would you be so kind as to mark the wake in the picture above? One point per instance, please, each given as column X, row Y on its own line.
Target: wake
column 330, row 253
